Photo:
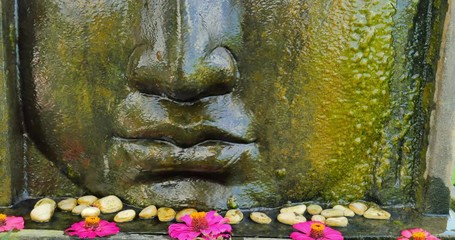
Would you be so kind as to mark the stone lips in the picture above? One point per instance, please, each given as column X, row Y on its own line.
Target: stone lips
column 156, row 156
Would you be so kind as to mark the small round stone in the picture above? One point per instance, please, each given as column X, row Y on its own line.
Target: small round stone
column 346, row 211
column 337, row 222
column 349, row 213
column 67, row 204
column 109, row 204
column 358, row 208
column 125, row 216
column 314, row 209
column 183, row 212
column 299, row 209
column 166, row 214
column 90, row 212
column 332, row 213
column 340, row 207
column 260, row 217
column 42, row 213
column 376, row 213
column 235, row 216
column 46, row 201
column 290, row 218
column 87, row 200
column 318, row 218
column 78, row 209
column 148, row 212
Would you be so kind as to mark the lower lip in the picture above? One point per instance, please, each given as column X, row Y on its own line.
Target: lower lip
column 156, row 156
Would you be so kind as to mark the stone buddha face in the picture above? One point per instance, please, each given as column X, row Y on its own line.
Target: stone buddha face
column 187, row 103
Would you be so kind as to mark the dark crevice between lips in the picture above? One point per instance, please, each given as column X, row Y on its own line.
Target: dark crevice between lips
column 211, row 176
column 187, row 97
column 185, row 145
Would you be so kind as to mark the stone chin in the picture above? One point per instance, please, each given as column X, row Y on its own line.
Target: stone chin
column 203, row 176
column 186, row 191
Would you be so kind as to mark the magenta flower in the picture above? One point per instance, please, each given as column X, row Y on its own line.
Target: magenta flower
column 10, row 223
column 209, row 226
column 92, row 227
column 315, row 230
column 416, row 234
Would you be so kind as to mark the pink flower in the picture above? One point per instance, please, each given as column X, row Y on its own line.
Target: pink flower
column 315, row 230
column 92, row 227
column 416, row 234
column 10, row 223
column 200, row 224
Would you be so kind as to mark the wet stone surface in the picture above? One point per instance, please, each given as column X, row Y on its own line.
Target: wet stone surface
column 358, row 227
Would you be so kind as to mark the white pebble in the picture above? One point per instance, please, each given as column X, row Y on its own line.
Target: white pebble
column 260, row 218
column 299, row 209
column 78, row 209
column 67, row 204
column 314, row 209
column 148, row 212
column 90, row 212
column 318, row 218
column 109, row 204
column 87, row 200
column 235, row 216
column 290, row 218
column 125, row 216
column 332, row 213
column 42, row 213
column 166, row 214
column 337, row 222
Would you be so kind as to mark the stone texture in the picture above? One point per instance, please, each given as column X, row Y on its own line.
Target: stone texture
column 440, row 154
column 44, row 178
column 11, row 140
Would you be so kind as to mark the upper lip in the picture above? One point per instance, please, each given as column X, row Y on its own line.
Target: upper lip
column 153, row 117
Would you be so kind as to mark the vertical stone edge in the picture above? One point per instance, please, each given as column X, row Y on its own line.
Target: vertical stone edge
column 11, row 137
column 440, row 155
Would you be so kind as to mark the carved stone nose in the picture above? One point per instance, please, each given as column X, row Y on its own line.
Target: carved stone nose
column 187, row 77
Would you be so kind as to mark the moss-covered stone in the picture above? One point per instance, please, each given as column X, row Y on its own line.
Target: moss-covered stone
column 332, row 97
column 11, row 152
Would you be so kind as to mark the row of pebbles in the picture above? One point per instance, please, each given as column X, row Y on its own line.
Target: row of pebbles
column 336, row 216
column 91, row 206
